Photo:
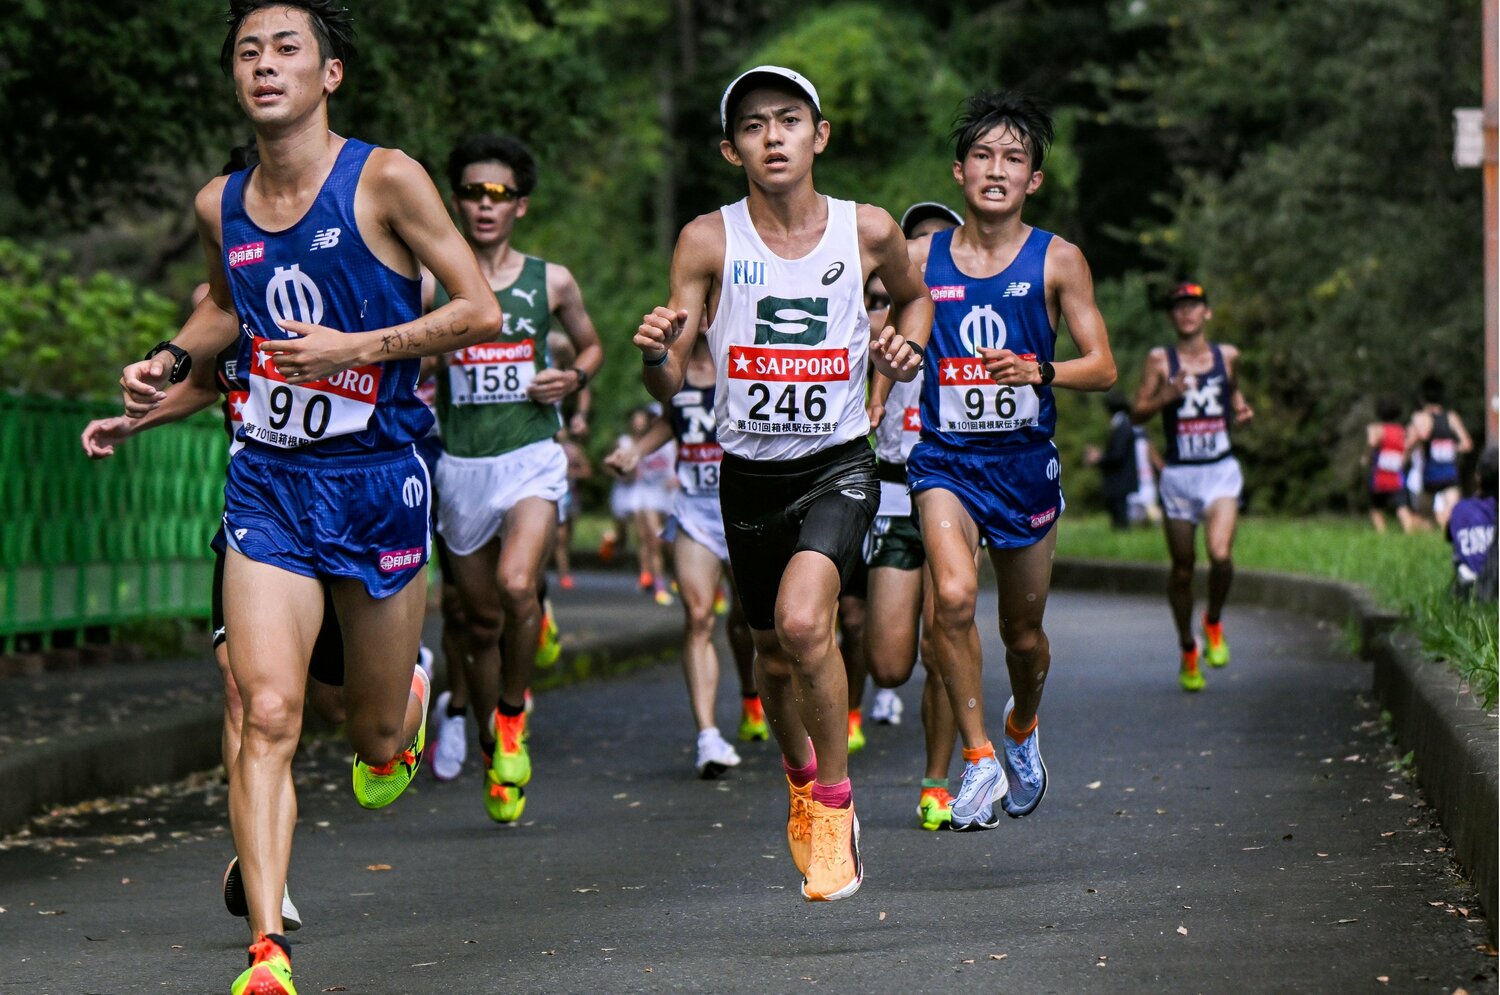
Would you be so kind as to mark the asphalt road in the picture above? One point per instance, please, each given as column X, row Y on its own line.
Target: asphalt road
column 1254, row 838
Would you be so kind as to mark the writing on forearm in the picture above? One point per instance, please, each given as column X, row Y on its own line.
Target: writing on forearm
column 418, row 337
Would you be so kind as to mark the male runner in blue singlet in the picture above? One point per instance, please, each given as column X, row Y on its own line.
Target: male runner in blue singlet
column 1194, row 384
column 985, row 467
column 313, row 260
column 781, row 275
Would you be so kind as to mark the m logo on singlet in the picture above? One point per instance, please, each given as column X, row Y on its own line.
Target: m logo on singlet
column 325, row 238
column 291, row 295
column 982, row 328
column 698, row 425
column 798, row 321
column 1201, row 398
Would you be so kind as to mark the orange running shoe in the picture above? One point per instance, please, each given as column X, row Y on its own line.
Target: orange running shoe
column 753, row 727
column 835, row 871
column 1216, row 654
column 607, row 548
column 566, row 582
column 646, row 580
column 799, row 824
column 1188, row 675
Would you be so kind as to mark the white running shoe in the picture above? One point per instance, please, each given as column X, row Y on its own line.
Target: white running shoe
column 715, row 756
column 425, row 659
column 452, row 747
column 234, row 899
column 887, row 708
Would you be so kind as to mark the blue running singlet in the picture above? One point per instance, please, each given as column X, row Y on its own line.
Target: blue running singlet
column 320, row 271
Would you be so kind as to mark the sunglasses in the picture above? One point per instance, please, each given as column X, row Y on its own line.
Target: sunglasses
column 498, row 192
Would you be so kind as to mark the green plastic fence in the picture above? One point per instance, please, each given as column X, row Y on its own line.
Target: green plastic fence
column 87, row 543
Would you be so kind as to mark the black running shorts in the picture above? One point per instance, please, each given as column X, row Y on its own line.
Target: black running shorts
column 774, row 509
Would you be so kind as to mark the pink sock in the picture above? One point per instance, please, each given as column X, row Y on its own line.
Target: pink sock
column 800, row 776
column 839, row 795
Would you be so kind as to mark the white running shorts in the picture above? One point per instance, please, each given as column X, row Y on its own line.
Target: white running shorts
column 478, row 492
column 698, row 517
column 1187, row 489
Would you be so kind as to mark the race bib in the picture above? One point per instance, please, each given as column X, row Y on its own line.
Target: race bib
column 289, row 416
column 698, row 467
column 969, row 400
column 911, row 429
column 492, row 372
column 1443, row 450
column 1390, row 461
column 777, row 390
column 1200, row 439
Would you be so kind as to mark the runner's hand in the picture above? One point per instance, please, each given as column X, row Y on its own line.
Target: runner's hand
column 1177, row 387
column 317, row 352
column 102, row 435
column 1009, row 369
column 894, row 356
column 550, row 386
column 143, row 382
column 1242, row 410
column 622, row 462
column 876, row 411
column 658, row 331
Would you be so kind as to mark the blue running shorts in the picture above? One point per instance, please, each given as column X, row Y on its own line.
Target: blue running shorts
column 364, row 517
column 1013, row 495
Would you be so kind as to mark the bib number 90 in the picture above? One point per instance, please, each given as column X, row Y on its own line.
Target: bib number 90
column 315, row 414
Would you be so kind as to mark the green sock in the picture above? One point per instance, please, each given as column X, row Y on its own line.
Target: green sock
column 935, row 782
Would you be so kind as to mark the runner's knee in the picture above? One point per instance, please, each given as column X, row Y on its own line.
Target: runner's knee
column 700, row 618
column 803, row 632
column 375, row 738
column 273, row 717
column 1021, row 638
column 953, row 601
column 518, row 590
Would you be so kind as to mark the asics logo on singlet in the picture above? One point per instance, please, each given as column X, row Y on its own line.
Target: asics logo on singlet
column 795, row 321
column 834, row 272
column 1016, row 290
column 982, row 328
column 325, row 238
column 1201, row 399
column 412, row 490
column 528, row 296
column 291, row 295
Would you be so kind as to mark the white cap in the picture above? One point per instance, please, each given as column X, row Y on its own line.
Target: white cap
column 923, row 210
column 747, row 79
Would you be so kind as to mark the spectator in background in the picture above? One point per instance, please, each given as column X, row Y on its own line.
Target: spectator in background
column 1471, row 530
column 1119, row 476
column 1384, row 461
column 1439, row 436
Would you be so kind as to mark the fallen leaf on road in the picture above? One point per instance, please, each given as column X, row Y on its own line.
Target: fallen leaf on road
column 1247, row 849
column 471, row 941
column 585, row 891
column 1437, row 905
column 620, row 795
column 177, row 946
column 648, row 970
column 882, row 917
column 1383, row 979
column 1182, row 930
column 1396, row 797
column 998, row 956
column 51, row 912
column 377, row 867
column 1387, row 835
column 969, row 961
column 124, row 880
column 426, row 963
column 1322, row 854
column 1094, row 785
column 336, row 988
column 1345, row 922
column 1093, row 891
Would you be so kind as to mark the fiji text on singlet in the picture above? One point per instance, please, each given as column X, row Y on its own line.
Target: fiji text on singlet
column 962, row 406
column 320, row 271
column 790, row 341
column 691, row 415
column 482, row 400
column 1197, row 426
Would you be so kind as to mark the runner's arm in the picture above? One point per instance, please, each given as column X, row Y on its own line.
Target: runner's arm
column 628, row 455
column 895, row 350
column 551, row 385
column 412, row 209
column 1465, row 444
column 666, row 335
column 101, row 436
column 1237, row 403
column 210, row 328
column 1156, row 390
column 1094, row 369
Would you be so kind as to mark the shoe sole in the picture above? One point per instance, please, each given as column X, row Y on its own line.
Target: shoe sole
column 848, row 890
column 712, row 770
column 237, row 905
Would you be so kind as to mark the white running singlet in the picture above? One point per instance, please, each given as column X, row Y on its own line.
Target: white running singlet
column 790, row 341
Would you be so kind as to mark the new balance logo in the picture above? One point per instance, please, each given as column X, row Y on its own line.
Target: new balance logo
column 1016, row 290
column 412, row 491
column 326, row 238
column 528, row 297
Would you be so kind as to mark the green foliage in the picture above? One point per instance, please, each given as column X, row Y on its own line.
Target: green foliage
column 65, row 335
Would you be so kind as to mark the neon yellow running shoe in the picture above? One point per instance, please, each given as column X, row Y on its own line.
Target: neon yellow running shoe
column 1216, row 654
column 548, row 647
column 503, row 802
column 1189, row 676
column 856, row 731
column 753, row 726
column 377, row 787
column 935, row 808
column 269, row 973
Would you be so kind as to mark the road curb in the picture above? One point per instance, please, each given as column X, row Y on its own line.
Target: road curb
column 1433, row 714
column 172, row 745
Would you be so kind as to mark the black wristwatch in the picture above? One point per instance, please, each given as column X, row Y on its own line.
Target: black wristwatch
column 583, row 377
column 182, row 363
column 1048, row 371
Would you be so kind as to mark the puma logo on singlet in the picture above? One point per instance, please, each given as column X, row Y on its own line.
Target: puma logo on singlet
column 528, row 297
